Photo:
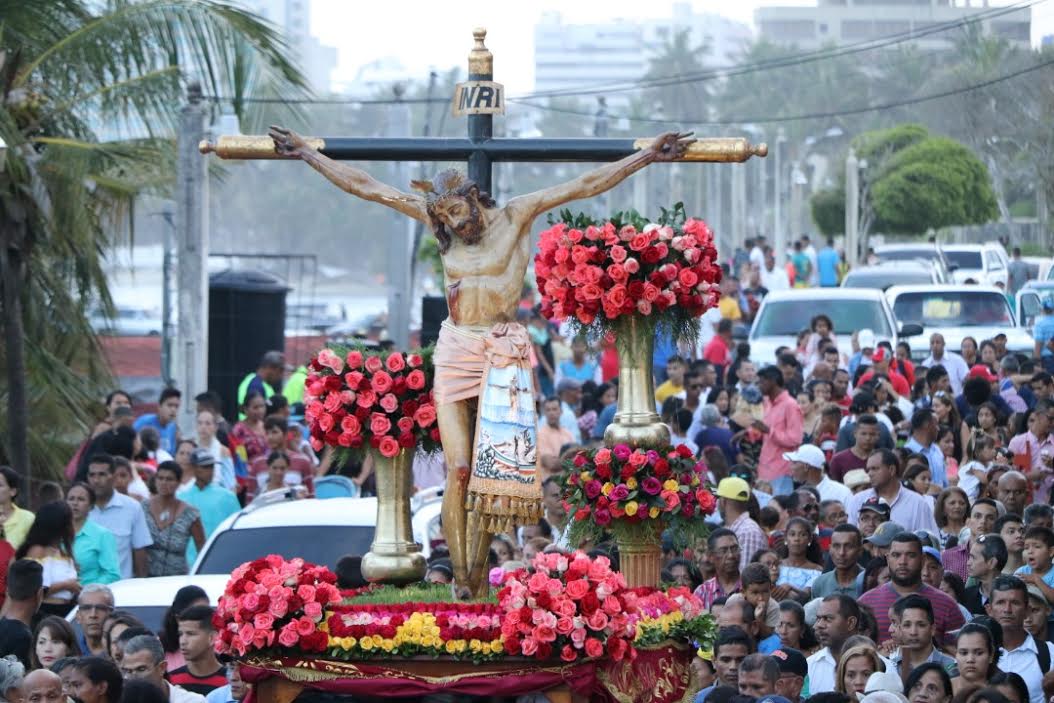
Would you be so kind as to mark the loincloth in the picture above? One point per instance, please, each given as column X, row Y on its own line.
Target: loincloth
column 504, row 489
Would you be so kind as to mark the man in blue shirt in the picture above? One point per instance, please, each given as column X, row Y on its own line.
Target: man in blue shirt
column 827, row 265
column 121, row 515
column 1043, row 332
column 213, row 501
column 924, row 441
column 164, row 420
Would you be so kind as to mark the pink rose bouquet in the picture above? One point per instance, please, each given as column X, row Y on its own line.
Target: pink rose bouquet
column 273, row 603
column 568, row 607
column 358, row 398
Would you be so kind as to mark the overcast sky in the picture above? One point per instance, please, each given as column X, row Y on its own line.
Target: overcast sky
column 436, row 33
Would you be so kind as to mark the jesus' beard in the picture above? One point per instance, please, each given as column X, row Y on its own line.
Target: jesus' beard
column 471, row 230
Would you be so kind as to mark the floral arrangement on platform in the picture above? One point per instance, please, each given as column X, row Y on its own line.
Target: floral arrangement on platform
column 564, row 607
column 568, row 607
column 357, row 398
column 675, row 614
column 621, row 488
column 596, row 273
column 272, row 602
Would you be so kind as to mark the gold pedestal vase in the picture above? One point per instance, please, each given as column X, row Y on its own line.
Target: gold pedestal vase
column 640, row 554
column 394, row 557
column 636, row 423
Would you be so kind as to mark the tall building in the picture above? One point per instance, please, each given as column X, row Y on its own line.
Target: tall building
column 293, row 19
column 854, row 21
column 576, row 55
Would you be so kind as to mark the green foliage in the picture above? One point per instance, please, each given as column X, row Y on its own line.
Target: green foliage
column 674, row 217
column 828, row 211
column 92, row 92
column 414, row 593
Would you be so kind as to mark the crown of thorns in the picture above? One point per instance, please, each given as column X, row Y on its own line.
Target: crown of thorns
column 445, row 184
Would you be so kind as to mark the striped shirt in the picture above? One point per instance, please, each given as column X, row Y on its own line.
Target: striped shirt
column 183, row 678
column 710, row 590
column 947, row 618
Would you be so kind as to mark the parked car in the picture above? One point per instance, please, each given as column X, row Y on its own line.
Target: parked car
column 148, row 599
column 958, row 311
column 319, row 531
column 986, row 264
column 128, row 321
column 1029, row 301
column 783, row 314
column 913, row 252
column 892, row 273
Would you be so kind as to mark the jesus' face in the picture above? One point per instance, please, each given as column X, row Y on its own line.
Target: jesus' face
column 461, row 215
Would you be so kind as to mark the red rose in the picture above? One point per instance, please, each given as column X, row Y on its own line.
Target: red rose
column 395, row 362
column 379, row 424
column 355, row 359
column 688, row 278
column 374, row 364
column 415, row 380
column 407, row 441
column 381, row 382
column 425, row 416
column 414, row 361
column 568, row 653
column 406, row 424
column 594, row 647
column 650, row 255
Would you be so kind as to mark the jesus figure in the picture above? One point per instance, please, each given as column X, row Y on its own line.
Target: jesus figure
column 485, row 251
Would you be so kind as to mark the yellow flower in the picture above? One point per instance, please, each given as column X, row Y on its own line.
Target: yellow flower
column 497, row 645
column 451, row 647
column 631, row 508
column 695, row 480
column 671, row 485
column 428, row 641
column 366, row 644
column 324, row 626
column 653, row 513
column 585, row 476
column 377, row 640
column 348, row 643
column 607, row 488
column 387, row 645
column 631, row 483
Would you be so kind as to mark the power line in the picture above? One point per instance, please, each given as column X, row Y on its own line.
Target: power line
column 808, row 116
column 675, row 79
column 787, row 61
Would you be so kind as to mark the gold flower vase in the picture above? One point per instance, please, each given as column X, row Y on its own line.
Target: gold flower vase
column 640, row 554
column 636, row 423
column 394, row 557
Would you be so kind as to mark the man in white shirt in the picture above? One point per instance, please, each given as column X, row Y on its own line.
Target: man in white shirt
column 809, row 468
column 837, row 619
column 1008, row 605
column 954, row 364
column 810, row 251
column 757, row 253
column 144, row 658
column 773, row 277
column 907, row 508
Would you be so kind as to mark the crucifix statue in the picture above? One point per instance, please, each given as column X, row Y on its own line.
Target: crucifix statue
column 485, row 249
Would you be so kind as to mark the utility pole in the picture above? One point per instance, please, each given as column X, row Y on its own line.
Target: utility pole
column 852, row 208
column 739, row 204
column 779, row 243
column 399, row 254
column 191, row 352
column 419, row 227
column 600, row 130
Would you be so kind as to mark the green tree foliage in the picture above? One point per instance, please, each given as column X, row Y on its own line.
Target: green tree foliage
column 914, row 182
column 89, row 96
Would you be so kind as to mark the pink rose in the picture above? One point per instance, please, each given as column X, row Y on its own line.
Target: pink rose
column 568, row 654
column 379, row 424
column 617, row 273
column 366, row 398
column 617, row 254
column 305, row 626
column 287, row 636
column 565, row 625
column 263, row 621
column 414, row 361
column 577, row 588
column 251, row 602
column 544, row 633
column 415, row 380
column 406, row 424
column 353, row 379
column 651, row 292
column 326, row 422
column 389, row 403
column 389, row 447
column 538, row 582
column 355, row 359
column 529, row 646
column 330, row 360
column 425, row 416
column 374, row 364
column 306, row 592
column 631, row 265
column 640, row 242
column 643, row 307
column 351, row 425
column 395, row 362
column 688, row 277
column 603, row 456
column 381, row 383
column 598, row 620
column 245, row 634
column 638, row 459
column 313, row 610
column 593, row 647
column 578, row 637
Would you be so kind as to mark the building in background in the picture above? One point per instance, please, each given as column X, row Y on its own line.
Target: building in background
column 293, row 19
column 854, row 21
column 568, row 56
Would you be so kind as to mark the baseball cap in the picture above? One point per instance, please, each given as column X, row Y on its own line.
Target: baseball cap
column 866, row 339
column 791, row 661
column 875, row 505
column 202, row 457
column 931, row 552
column 855, row 478
column 982, row 371
column 880, row 354
column 567, row 384
column 886, row 681
column 807, row 454
column 884, row 534
column 734, row 489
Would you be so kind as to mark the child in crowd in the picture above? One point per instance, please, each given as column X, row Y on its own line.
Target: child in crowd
column 1039, row 551
column 973, row 474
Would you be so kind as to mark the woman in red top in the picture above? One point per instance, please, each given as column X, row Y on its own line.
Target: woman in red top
column 250, row 431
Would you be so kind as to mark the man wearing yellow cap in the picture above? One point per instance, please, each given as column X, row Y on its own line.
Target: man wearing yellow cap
column 733, row 501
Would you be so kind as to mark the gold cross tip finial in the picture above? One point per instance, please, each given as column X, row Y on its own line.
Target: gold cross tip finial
column 480, row 60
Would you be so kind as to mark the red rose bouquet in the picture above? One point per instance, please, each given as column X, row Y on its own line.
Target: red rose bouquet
column 272, row 603
column 623, row 488
column 595, row 273
column 358, row 398
column 571, row 607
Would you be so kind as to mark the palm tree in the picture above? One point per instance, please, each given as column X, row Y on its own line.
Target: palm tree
column 89, row 98
column 674, row 66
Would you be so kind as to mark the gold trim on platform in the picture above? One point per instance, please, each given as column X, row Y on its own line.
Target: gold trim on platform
column 315, row 670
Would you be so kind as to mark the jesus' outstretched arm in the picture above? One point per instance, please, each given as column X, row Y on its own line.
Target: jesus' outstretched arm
column 666, row 147
column 347, row 178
